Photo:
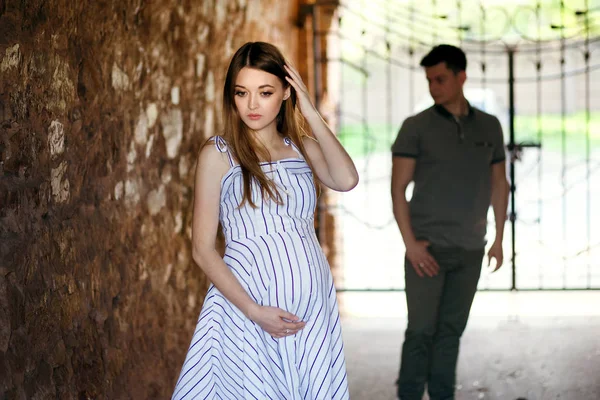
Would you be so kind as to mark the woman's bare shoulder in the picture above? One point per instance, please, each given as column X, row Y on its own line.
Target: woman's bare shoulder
column 213, row 155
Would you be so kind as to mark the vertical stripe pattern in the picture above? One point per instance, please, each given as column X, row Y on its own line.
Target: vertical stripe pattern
column 274, row 253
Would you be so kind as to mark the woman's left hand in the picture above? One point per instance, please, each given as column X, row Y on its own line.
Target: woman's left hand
column 304, row 101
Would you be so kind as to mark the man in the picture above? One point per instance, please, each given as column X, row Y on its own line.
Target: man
column 454, row 153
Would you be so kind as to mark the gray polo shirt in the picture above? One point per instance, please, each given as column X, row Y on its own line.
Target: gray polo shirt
column 452, row 178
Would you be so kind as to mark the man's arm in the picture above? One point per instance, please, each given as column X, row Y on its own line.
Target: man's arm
column 416, row 251
column 402, row 173
column 499, row 205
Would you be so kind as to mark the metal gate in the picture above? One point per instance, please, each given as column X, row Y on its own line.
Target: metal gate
column 535, row 67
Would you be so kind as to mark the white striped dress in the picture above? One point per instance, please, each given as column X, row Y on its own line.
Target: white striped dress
column 274, row 253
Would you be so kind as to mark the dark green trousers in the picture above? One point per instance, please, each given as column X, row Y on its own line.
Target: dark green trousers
column 438, row 310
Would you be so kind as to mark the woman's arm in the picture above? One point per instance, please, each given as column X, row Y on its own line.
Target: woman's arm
column 211, row 167
column 332, row 164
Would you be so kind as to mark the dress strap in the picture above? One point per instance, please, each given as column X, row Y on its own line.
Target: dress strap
column 289, row 142
column 221, row 145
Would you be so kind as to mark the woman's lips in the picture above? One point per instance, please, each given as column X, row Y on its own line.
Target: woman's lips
column 254, row 117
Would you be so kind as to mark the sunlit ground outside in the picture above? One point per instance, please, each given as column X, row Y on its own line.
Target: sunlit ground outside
column 517, row 345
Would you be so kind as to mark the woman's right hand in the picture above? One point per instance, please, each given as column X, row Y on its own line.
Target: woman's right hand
column 275, row 321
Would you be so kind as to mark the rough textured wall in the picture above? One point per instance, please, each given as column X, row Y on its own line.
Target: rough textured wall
column 103, row 106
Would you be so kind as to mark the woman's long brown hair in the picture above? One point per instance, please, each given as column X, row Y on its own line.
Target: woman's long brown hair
column 246, row 149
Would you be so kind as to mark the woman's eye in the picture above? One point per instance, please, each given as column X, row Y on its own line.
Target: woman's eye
column 238, row 93
column 266, row 94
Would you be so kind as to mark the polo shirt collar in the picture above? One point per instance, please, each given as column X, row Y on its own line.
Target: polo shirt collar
column 442, row 110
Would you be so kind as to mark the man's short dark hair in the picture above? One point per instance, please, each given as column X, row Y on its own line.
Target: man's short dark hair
column 454, row 58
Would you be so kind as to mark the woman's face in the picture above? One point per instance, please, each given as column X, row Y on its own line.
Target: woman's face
column 258, row 97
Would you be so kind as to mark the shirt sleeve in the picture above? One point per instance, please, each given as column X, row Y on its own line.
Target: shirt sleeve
column 499, row 154
column 407, row 141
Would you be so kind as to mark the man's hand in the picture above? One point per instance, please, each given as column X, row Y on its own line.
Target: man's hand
column 421, row 260
column 497, row 253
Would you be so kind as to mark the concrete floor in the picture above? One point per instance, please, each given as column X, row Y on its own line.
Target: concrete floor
column 529, row 345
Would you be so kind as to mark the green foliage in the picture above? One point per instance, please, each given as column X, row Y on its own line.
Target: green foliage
column 362, row 140
column 408, row 23
column 551, row 128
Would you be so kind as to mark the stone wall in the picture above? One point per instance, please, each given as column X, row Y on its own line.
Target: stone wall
column 103, row 106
